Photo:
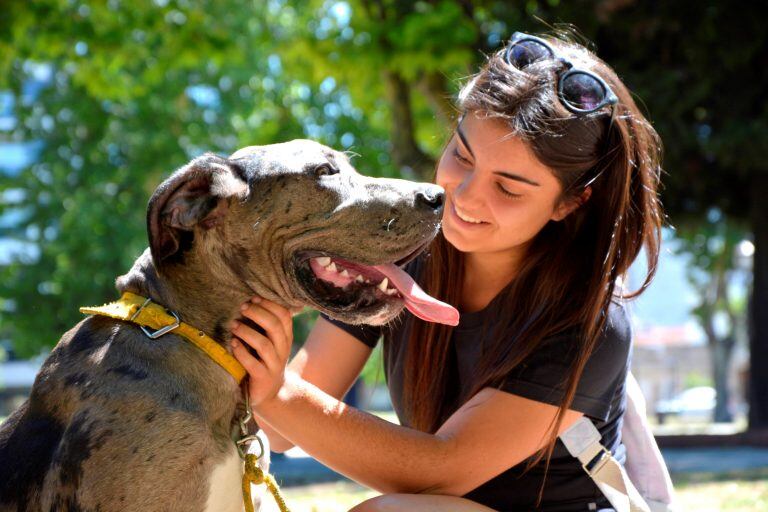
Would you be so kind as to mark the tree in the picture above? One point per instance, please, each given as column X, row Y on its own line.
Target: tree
column 375, row 76
column 135, row 91
column 698, row 68
column 713, row 246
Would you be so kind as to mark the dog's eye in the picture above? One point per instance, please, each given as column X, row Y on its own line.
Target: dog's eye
column 325, row 170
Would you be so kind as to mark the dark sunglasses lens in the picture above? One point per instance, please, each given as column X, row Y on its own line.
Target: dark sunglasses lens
column 526, row 52
column 583, row 91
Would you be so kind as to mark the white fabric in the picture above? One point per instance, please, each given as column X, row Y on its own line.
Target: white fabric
column 654, row 491
column 645, row 465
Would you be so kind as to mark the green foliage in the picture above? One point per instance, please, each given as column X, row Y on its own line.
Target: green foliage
column 695, row 379
column 373, row 371
column 138, row 88
column 711, row 246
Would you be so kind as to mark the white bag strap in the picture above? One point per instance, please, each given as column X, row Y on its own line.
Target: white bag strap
column 582, row 440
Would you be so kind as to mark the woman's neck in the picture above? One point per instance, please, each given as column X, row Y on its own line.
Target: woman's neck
column 485, row 275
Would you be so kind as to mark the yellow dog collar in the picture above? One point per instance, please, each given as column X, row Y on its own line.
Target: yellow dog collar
column 141, row 310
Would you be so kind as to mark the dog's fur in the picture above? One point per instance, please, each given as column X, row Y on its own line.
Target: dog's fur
column 117, row 421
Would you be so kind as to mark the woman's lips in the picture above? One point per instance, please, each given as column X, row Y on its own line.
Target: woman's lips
column 464, row 224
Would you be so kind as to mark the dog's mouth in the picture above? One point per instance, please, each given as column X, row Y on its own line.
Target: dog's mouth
column 344, row 285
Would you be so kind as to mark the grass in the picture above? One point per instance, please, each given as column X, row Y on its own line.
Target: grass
column 331, row 497
column 726, row 492
column 699, row 492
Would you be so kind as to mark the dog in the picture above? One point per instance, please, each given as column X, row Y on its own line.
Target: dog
column 118, row 421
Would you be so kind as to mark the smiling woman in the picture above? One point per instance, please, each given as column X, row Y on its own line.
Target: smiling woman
column 514, row 206
column 550, row 183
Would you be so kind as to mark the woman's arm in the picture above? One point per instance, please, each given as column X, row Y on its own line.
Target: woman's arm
column 490, row 433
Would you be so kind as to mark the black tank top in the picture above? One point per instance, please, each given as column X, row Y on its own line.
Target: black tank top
column 600, row 395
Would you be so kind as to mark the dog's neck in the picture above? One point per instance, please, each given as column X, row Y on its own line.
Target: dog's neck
column 208, row 303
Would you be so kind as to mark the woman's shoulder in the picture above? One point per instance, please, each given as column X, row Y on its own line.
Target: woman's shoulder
column 618, row 325
column 612, row 347
column 616, row 329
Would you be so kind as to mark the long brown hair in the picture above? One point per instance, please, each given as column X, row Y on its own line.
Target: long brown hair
column 568, row 277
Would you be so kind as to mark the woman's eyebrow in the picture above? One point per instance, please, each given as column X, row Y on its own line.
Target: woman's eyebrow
column 516, row 177
column 464, row 139
column 505, row 174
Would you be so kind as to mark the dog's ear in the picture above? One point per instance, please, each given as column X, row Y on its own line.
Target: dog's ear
column 194, row 197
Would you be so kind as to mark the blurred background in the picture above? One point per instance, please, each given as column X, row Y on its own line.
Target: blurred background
column 100, row 100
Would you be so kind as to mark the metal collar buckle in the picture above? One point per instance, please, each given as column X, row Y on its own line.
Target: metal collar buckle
column 162, row 330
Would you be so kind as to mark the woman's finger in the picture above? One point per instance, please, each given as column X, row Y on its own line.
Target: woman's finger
column 280, row 312
column 260, row 343
column 267, row 320
column 251, row 364
column 282, row 345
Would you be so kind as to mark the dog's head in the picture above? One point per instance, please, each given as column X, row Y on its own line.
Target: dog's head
column 297, row 224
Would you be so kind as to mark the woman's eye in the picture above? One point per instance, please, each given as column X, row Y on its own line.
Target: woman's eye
column 507, row 192
column 325, row 170
column 460, row 158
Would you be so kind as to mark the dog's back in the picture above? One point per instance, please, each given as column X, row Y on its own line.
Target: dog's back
column 104, row 424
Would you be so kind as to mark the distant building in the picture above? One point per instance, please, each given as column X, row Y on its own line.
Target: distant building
column 670, row 348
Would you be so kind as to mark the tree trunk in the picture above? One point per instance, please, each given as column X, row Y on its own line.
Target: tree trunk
column 408, row 157
column 432, row 85
column 721, row 351
column 758, row 342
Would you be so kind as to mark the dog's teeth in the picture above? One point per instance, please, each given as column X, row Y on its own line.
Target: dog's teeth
column 359, row 278
column 345, row 273
column 331, row 267
column 383, row 284
column 323, row 261
column 390, row 291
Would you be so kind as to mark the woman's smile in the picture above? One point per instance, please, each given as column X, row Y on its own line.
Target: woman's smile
column 465, row 221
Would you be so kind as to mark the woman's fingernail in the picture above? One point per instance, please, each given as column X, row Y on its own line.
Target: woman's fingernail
column 235, row 325
column 233, row 343
column 256, row 298
column 243, row 306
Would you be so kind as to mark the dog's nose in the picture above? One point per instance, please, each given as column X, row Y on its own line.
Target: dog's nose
column 431, row 197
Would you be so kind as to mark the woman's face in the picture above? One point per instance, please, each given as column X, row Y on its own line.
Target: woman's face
column 494, row 178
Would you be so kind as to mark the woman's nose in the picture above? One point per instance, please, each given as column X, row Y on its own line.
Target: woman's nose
column 470, row 189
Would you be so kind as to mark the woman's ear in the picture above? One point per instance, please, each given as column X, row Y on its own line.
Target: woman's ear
column 567, row 207
column 195, row 196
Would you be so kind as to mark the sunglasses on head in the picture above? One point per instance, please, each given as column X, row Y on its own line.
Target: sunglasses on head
column 580, row 91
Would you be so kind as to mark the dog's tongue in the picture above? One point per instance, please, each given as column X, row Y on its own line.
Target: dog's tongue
column 416, row 300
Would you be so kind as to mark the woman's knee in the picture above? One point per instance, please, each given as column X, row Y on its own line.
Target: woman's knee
column 421, row 502
column 383, row 503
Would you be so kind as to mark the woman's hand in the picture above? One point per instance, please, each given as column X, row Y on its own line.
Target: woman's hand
column 267, row 372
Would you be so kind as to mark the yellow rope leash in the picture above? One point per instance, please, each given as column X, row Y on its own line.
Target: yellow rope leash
column 254, row 475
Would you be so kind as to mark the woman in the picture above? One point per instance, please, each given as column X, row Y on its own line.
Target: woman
column 551, row 184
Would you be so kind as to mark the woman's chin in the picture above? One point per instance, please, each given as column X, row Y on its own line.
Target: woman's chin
column 460, row 241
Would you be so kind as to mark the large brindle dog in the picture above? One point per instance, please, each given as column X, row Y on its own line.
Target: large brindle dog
column 117, row 421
